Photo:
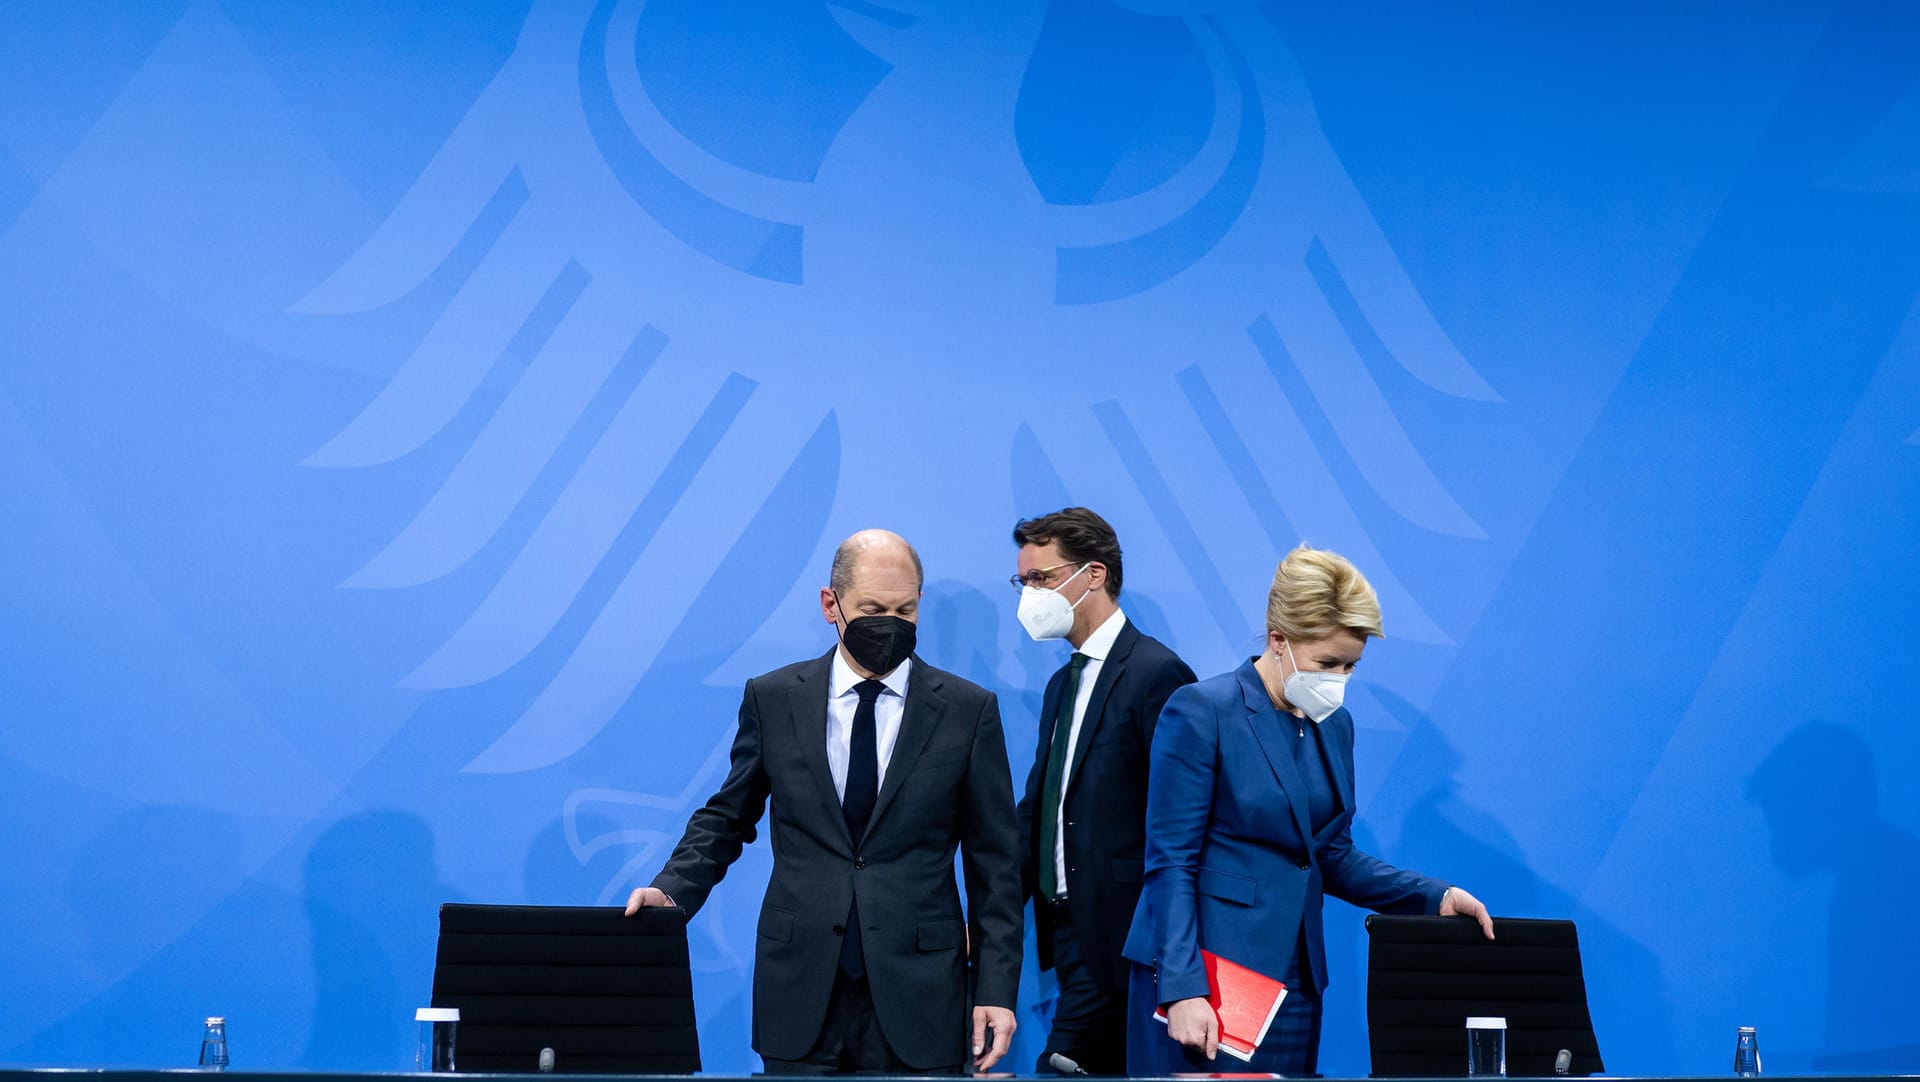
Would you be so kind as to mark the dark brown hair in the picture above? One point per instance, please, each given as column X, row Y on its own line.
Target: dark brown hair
column 1083, row 537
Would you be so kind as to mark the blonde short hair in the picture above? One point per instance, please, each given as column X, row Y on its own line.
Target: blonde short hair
column 1317, row 593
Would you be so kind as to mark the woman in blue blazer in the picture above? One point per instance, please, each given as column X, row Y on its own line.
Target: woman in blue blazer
column 1249, row 814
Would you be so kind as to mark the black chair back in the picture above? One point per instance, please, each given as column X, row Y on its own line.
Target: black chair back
column 610, row 994
column 1427, row 975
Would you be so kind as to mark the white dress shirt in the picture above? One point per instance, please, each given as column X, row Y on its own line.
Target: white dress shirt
column 1097, row 647
column 843, row 700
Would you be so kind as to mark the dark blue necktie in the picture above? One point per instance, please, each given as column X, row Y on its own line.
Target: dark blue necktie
column 856, row 803
column 863, row 761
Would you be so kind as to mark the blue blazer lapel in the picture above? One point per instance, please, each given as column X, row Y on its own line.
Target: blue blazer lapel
column 1110, row 670
column 1336, row 737
column 921, row 717
column 1339, row 745
column 808, row 703
column 1265, row 721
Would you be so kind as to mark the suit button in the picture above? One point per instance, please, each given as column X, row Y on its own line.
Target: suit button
column 839, row 929
column 861, row 862
column 1304, row 865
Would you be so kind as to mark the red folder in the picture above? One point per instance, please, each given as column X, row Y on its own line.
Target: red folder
column 1245, row 1002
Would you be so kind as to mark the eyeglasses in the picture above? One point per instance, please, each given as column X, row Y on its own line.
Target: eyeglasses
column 1038, row 577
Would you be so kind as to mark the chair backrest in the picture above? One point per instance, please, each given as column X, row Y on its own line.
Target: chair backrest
column 1427, row 975
column 610, row 994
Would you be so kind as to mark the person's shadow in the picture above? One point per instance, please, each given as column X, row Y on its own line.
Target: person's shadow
column 372, row 895
column 175, row 938
column 1445, row 836
column 1820, row 796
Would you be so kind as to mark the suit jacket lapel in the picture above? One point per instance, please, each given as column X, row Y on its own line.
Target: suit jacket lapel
column 1110, row 669
column 1050, row 707
column 808, row 702
column 921, row 717
column 1265, row 721
column 1338, row 764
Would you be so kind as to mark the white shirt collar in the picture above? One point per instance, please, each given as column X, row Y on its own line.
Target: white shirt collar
column 1100, row 643
column 842, row 678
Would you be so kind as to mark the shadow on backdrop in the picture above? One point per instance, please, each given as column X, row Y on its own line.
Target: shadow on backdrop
column 1444, row 836
column 373, row 894
column 173, row 940
column 1821, row 800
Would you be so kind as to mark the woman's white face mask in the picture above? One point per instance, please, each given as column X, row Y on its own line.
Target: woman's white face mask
column 1319, row 694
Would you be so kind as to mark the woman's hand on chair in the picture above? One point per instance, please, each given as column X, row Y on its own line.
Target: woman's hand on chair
column 1458, row 903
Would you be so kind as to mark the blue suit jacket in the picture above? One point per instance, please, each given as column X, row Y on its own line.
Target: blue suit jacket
column 1231, row 862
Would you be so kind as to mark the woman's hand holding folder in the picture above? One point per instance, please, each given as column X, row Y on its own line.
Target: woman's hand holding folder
column 1194, row 1024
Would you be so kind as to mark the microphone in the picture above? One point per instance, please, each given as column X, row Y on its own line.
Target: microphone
column 1064, row 1065
column 1562, row 1060
column 546, row 1061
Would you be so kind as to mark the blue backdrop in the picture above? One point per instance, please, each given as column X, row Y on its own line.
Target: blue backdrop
column 417, row 420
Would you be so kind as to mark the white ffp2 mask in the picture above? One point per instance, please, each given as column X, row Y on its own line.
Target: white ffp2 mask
column 1319, row 694
column 1044, row 613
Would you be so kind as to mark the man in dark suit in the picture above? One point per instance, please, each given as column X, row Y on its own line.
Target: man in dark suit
column 1083, row 818
column 877, row 763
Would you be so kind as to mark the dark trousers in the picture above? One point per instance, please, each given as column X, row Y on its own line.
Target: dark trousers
column 850, row 1040
column 1090, row 1020
column 1292, row 1047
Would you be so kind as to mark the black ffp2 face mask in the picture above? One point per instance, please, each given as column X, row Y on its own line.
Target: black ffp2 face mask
column 878, row 643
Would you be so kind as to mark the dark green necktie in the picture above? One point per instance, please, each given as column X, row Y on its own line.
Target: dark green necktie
column 1056, row 772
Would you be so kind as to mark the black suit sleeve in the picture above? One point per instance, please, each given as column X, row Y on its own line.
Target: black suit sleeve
column 990, row 856
column 1024, row 824
column 728, row 821
column 1030, row 797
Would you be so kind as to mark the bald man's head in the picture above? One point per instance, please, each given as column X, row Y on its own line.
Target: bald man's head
column 873, row 551
column 875, row 574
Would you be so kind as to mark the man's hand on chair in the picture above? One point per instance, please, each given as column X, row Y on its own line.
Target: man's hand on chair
column 647, row 898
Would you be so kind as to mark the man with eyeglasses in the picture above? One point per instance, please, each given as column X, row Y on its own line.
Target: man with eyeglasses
column 1083, row 818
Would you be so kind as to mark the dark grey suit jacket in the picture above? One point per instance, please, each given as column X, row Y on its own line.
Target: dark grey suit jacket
column 946, row 784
